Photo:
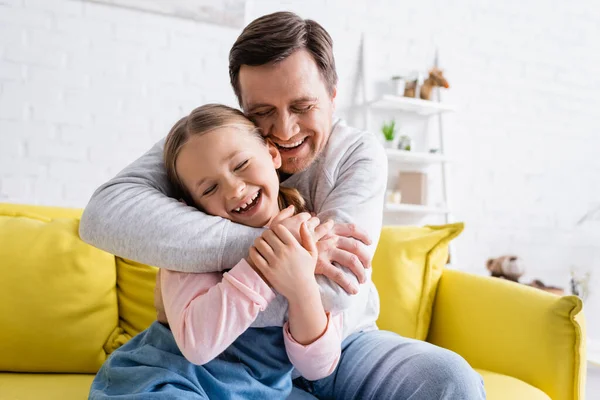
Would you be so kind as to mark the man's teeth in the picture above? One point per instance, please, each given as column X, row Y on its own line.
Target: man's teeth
column 291, row 145
column 248, row 203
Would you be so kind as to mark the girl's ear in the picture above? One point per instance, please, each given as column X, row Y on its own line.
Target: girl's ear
column 274, row 154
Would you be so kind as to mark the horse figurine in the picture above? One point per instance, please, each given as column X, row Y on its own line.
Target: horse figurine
column 436, row 78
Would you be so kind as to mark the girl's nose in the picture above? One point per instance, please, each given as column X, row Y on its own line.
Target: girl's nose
column 235, row 188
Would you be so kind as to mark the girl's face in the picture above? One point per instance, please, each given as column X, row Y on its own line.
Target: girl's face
column 231, row 174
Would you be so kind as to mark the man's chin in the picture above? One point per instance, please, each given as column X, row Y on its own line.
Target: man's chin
column 295, row 165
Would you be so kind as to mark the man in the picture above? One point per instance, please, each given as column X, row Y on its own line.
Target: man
column 283, row 73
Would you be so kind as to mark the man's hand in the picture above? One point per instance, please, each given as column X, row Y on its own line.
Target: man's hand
column 346, row 245
column 161, row 316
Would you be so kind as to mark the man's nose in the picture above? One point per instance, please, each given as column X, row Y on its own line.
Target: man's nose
column 286, row 126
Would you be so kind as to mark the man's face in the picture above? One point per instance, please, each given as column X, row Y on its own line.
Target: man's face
column 290, row 103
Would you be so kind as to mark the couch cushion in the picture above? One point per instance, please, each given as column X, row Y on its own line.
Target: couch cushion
column 45, row 386
column 135, row 288
column 502, row 387
column 58, row 302
column 407, row 267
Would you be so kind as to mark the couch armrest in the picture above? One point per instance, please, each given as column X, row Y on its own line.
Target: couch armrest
column 512, row 329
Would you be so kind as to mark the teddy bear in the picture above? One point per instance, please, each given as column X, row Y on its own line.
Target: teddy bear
column 511, row 267
column 508, row 267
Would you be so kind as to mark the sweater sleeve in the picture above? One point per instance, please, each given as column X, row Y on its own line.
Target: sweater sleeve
column 133, row 216
column 320, row 358
column 208, row 312
column 357, row 198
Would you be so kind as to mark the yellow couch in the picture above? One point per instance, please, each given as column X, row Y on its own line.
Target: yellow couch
column 64, row 306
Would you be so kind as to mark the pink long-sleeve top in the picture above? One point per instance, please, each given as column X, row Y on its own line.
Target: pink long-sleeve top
column 207, row 312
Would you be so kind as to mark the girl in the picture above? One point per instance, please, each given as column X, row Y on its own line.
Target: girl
column 218, row 162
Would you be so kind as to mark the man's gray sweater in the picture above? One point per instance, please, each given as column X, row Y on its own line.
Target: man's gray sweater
column 133, row 216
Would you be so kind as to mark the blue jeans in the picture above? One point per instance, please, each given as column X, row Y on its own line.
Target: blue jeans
column 374, row 365
column 383, row 365
column 150, row 366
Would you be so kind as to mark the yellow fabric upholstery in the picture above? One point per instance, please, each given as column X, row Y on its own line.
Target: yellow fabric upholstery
column 45, row 386
column 58, row 310
column 59, row 306
column 407, row 266
column 503, row 387
column 513, row 329
column 135, row 288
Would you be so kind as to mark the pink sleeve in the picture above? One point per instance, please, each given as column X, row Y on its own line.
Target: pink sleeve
column 208, row 312
column 320, row 358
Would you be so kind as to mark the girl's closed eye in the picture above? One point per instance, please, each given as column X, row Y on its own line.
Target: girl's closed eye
column 209, row 190
column 241, row 165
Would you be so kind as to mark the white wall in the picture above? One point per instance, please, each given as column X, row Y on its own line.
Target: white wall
column 87, row 88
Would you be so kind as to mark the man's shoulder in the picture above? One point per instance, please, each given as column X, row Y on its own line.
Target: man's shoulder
column 350, row 143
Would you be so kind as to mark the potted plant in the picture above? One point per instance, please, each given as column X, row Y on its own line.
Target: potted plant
column 389, row 133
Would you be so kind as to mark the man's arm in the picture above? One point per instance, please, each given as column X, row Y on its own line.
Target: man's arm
column 357, row 198
column 132, row 216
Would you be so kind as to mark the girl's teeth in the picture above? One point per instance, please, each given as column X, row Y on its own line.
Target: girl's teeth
column 247, row 204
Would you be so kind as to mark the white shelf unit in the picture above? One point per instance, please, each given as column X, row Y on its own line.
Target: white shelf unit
column 377, row 106
column 414, row 160
column 408, row 104
column 414, row 157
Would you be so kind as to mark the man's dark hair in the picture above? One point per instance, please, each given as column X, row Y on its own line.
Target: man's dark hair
column 274, row 37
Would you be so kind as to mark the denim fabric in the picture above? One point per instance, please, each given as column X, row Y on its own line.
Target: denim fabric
column 150, row 366
column 383, row 365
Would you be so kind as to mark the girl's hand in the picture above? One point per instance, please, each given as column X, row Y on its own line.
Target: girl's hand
column 293, row 222
column 289, row 266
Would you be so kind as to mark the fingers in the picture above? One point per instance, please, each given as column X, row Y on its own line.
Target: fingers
column 307, row 240
column 264, row 249
column 336, row 275
column 357, row 248
column 313, row 223
column 284, row 235
column 258, row 260
column 353, row 231
column 283, row 214
column 323, row 229
column 302, row 217
column 273, row 241
column 350, row 261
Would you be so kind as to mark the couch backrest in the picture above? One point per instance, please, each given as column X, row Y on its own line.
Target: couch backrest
column 64, row 305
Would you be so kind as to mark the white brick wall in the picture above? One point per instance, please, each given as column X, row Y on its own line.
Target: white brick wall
column 87, row 88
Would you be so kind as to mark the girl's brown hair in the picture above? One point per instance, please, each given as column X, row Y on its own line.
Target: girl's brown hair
column 205, row 119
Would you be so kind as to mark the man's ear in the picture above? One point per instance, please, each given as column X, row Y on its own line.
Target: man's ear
column 333, row 96
column 275, row 155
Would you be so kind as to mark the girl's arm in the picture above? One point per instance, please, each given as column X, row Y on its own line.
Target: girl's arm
column 318, row 359
column 208, row 312
column 312, row 337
